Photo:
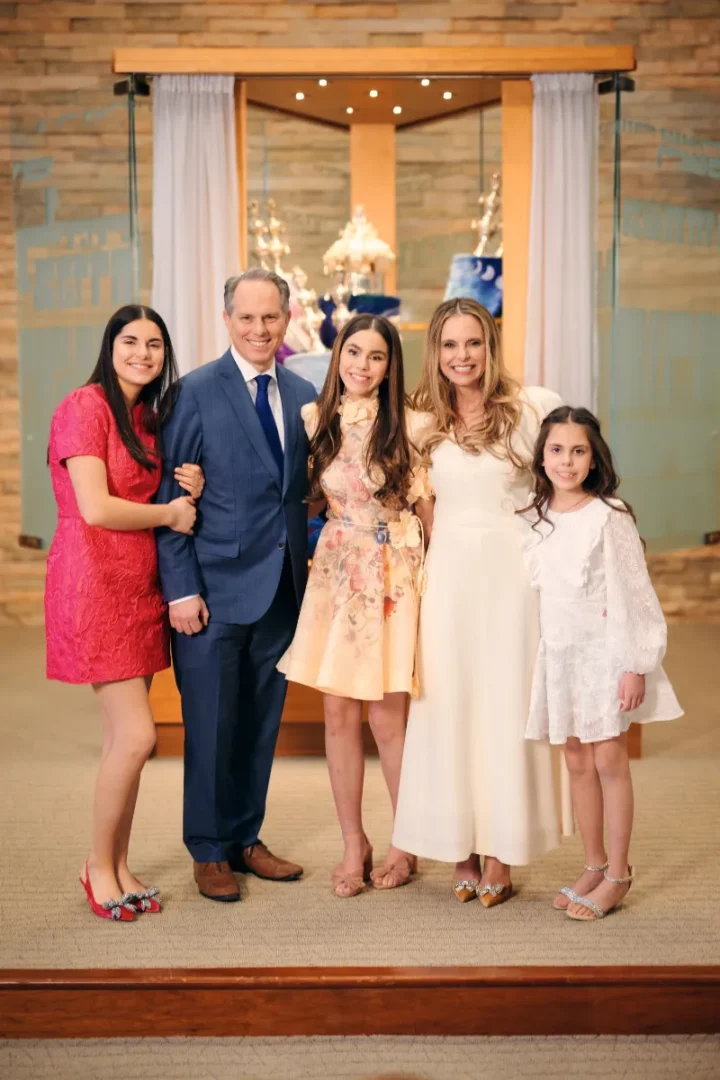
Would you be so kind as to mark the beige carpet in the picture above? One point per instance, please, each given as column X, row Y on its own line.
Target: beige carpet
column 49, row 739
column 370, row 1058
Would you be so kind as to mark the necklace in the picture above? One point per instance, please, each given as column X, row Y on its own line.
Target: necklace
column 574, row 505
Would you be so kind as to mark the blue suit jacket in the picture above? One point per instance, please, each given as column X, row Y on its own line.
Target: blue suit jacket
column 247, row 517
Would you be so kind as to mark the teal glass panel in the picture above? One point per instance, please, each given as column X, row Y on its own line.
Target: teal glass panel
column 74, row 266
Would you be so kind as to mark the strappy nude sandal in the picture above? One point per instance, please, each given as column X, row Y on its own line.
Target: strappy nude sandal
column 466, row 890
column 400, row 872
column 573, row 897
column 348, row 883
column 591, row 906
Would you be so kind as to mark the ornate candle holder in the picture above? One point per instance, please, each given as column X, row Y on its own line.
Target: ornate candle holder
column 340, row 295
column 312, row 317
column 258, row 228
column 277, row 245
column 489, row 225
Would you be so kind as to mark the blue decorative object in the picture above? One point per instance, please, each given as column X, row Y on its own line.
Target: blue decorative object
column 478, row 277
column 365, row 303
column 315, row 527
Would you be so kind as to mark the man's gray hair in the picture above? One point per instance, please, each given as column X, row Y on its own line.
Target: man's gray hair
column 257, row 273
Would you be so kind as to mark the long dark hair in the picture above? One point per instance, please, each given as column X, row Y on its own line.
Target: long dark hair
column 602, row 481
column 156, row 398
column 388, row 449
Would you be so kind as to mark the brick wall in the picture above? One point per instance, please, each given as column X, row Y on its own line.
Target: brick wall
column 56, row 100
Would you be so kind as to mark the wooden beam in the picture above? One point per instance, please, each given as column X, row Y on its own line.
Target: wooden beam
column 215, row 1002
column 416, row 61
column 372, row 183
column 517, row 104
column 241, row 163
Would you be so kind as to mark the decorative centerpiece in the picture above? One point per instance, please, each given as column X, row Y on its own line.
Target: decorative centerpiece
column 360, row 255
column 356, row 261
column 479, row 276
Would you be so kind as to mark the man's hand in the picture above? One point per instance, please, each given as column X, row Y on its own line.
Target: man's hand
column 189, row 616
column 631, row 692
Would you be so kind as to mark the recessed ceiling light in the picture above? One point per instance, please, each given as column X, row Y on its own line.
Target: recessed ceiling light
column 447, row 95
column 424, row 82
column 397, row 110
column 299, row 96
column 349, row 109
column 373, row 93
column 322, row 82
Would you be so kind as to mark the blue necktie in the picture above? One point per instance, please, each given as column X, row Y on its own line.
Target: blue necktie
column 267, row 420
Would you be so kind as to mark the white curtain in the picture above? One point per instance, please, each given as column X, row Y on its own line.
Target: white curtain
column 195, row 210
column 560, row 347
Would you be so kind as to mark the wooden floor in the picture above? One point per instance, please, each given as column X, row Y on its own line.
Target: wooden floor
column 360, row 1001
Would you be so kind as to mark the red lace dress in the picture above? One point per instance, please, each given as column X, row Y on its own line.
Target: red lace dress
column 105, row 619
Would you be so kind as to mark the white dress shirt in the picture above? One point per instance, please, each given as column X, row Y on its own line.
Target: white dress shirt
column 250, row 374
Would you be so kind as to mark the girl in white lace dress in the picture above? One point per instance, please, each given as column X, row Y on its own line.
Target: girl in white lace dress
column 603, row 637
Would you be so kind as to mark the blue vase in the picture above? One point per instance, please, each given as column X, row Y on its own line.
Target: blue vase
column 478, row 277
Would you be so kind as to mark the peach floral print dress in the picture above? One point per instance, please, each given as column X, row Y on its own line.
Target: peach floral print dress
column 357, row 632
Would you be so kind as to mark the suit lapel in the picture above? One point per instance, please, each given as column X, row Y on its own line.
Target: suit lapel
column 291, row 422
column 239, row 396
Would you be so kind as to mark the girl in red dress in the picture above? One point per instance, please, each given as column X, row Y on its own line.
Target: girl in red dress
column 105, row 620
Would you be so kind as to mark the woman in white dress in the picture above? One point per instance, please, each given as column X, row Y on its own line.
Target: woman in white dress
column 603, row 636
column 471, row 784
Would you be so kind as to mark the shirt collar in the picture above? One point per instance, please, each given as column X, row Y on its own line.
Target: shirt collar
column 247, row 371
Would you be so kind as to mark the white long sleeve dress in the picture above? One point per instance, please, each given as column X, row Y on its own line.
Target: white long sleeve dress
column 599, row 617
column 470, row 779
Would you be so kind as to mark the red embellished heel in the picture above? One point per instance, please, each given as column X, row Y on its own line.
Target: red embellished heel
column 148, row 901
column 117, row 910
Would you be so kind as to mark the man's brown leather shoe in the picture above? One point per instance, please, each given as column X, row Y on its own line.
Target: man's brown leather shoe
column 215, row 881
column 260, row 861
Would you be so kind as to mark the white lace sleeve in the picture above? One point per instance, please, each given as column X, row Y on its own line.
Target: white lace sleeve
column 636, row 624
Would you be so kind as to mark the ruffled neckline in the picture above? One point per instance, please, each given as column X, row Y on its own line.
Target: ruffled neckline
column 586, row 536
column 359, row 410
column 571, row 513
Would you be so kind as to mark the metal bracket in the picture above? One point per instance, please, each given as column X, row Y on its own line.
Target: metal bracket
column 617, row 82
column 134, row 84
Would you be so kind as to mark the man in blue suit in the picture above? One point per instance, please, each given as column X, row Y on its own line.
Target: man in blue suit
column 235, row 586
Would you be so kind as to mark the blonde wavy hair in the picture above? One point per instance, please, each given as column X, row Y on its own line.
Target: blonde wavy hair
column 435, row 394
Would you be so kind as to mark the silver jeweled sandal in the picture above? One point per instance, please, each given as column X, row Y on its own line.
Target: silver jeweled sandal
column 573, row 896
column 597, row 912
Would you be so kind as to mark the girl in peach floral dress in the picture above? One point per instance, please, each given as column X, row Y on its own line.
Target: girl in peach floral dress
column 357, row 630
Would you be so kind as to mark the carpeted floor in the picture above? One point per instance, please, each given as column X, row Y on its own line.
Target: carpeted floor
column 49, row 737
column 369, row 1058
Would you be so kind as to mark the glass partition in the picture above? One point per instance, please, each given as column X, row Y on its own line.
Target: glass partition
column 663, row 399
column 72, row 241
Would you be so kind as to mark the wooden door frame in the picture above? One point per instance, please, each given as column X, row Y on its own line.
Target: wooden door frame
column 514, row 66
